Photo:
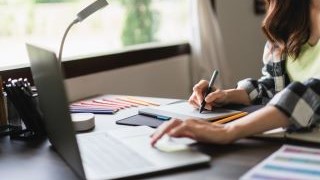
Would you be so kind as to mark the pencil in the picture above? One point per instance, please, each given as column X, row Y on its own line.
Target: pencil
column 230, row 118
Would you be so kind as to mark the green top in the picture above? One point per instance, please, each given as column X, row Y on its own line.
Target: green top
column 307, row 65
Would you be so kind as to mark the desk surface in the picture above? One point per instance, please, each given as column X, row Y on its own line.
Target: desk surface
column 36, row 160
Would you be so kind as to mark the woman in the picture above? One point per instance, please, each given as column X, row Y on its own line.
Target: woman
column 290, row 85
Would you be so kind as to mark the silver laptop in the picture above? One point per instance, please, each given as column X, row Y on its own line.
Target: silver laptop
column 108, row 155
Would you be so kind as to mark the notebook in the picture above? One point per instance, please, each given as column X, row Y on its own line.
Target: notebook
column 183, row 110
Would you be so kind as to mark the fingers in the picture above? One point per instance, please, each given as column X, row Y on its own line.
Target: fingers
column 193, row 101
column 198, row 130
column 217, row 97
column 163, row 129
column 199, row 89
column 196, row 105
column 201, row 131
column 185, row 129
column 208, row 106
column 197, row 95
column 190, row 128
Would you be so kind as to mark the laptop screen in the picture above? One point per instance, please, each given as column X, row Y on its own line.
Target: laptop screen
column 53, row 103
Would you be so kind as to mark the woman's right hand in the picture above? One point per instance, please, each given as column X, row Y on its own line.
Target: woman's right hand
column 216, row 98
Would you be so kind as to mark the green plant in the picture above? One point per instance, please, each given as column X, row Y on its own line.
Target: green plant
column 141, row 22
column 52, row 1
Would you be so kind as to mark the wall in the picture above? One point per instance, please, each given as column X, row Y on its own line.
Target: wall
column 244, row 40
column 167, row 78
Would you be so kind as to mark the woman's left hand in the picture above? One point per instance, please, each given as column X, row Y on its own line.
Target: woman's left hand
column 198, row 130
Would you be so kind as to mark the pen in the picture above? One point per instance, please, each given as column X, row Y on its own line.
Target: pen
column 208, row 91
column 159, row 117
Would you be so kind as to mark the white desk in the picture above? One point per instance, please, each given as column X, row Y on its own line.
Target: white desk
column 36, row 160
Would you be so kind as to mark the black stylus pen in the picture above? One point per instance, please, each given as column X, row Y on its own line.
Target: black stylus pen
column 208, row 91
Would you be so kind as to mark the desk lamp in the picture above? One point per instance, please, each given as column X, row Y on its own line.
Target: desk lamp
column 85, row 121
column 82, row 15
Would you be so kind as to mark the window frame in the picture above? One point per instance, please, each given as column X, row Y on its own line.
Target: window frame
column 94, row 64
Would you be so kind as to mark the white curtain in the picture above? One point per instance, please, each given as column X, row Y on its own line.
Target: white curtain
column 207, row 44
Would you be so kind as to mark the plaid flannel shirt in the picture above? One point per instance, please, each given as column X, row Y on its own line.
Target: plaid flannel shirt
column 299, row 101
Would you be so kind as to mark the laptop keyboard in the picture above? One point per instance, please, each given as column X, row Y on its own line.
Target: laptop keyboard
column 102, row 153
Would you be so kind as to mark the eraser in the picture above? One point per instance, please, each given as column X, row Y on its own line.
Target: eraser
column 83, row 121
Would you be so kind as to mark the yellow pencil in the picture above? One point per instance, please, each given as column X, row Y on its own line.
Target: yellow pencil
column 230, row 118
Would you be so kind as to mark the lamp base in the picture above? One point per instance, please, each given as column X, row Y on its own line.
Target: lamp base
column 83, row 121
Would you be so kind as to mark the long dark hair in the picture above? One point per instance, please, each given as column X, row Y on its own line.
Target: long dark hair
column 287, row 25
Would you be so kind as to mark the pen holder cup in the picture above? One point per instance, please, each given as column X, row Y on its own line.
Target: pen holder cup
column 25, row 120
column 14, row 121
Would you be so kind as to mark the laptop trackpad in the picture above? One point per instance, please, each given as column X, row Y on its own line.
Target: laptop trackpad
column 138, row 139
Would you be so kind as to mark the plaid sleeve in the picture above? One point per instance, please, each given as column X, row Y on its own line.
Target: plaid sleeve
column 300, row 102
column 262, row 90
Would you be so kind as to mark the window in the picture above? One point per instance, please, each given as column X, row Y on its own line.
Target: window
column 122, row 24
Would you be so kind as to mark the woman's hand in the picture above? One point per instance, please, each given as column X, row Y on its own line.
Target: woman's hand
column 198, row 130
column 216, row 98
